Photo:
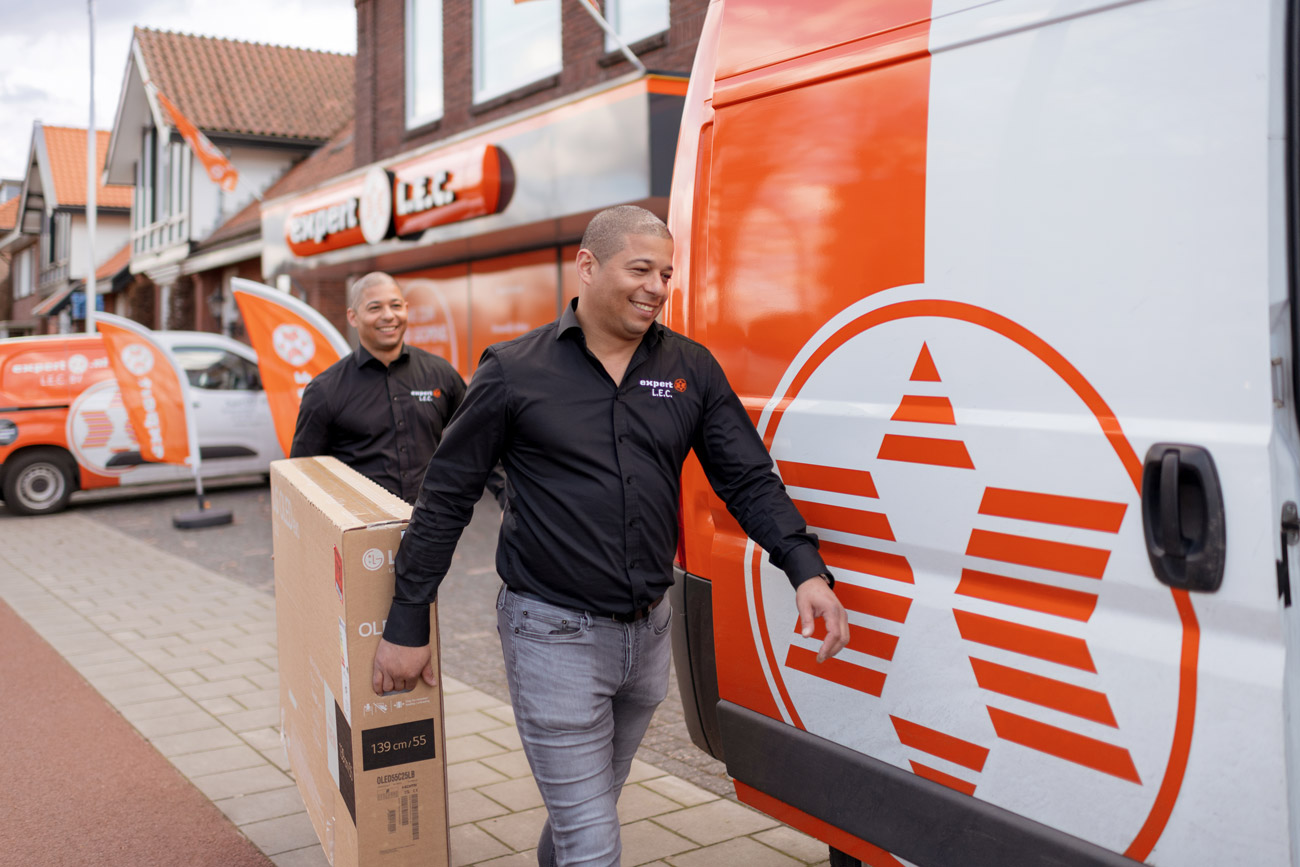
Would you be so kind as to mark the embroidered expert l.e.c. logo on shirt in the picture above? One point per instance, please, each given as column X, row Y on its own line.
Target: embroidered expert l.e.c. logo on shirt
column 663, row 388
column 426, row 396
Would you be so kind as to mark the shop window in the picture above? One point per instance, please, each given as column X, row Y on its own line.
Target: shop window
column 634, row 20
column 514, row 44
column 423, row 62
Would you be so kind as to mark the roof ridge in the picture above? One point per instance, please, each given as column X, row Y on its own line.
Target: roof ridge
column 233, row 41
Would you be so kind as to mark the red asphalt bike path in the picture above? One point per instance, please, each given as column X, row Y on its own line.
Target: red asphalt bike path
column 80, row 786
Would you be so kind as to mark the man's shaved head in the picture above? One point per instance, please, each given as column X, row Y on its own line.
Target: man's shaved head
column 358, row 289
column 607, row 232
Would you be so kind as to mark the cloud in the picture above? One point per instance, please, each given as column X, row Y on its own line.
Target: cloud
column 44, row 51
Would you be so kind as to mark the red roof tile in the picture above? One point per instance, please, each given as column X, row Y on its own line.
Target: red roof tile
column 223, row 85
column 9, row 214
column 66, row 148
column 115, row 263
column 330, row 159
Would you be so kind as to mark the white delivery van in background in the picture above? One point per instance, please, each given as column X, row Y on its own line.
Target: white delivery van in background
column 1008, row 287
column 63, row 426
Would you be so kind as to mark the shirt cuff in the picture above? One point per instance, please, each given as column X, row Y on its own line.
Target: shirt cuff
column 803, row 563
column 408, row 624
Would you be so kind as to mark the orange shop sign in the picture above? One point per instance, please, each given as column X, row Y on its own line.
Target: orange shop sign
column 417, row 194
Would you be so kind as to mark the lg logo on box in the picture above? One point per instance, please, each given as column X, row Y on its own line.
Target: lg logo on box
column 375, row 559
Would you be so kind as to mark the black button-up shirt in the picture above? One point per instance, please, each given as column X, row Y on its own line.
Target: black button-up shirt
column 593, row 474
column 383, row 421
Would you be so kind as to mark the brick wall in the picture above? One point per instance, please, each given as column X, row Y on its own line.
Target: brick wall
column 381, row 64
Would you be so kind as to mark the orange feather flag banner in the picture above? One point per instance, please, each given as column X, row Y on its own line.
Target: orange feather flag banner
column 294, row 343
column 155, row 391
column 218, row 165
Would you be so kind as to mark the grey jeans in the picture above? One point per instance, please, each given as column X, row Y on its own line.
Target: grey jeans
column 583, row 689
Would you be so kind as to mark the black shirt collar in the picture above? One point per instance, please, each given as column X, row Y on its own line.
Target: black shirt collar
column 569, row 324
column 362, row 356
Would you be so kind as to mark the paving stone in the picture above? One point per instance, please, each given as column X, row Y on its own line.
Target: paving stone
column 90, row 672
column 190, row 721
column 641, row 771
column 467, row 775
column 246, row 668
column 223, row 705
column 463, row 702
column 680, row 791
column 262, row 739
column 165, row 662
column 470, row 844
column 512, row 764
column 471, row 806
column 742, row 850
column 504, row 712
column 215, row 761
column 125, row 680
column 797, row 845
column 517, row 830
column 471, row 747
column 258, row 807
column 473, row 722
column 152, row 709
column 451, row 686
column 243, row 782
column 271, row 680
column 311, row 856
column 716, row 821
column 636, row 803
column 213, row 689
column 506, row 737
column 647, row 841
column 520, row 794
column 184, row 677
column 139, row 694
column 248, row 720
column 261, row 699
column 518, row 859
column 283, row 834
column 277, row 757
column 195, row 742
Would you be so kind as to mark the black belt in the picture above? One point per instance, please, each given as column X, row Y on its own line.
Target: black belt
column 634, row 616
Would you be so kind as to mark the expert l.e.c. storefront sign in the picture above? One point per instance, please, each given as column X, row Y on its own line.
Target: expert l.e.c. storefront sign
column 401, row 200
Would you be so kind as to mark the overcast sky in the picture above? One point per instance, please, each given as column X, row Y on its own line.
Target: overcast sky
column 45, row 47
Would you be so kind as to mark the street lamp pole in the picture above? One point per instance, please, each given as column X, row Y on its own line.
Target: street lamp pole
column 92, row 185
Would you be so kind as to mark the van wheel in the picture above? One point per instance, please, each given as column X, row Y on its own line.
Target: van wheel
column 38, row 482
column 841, row 859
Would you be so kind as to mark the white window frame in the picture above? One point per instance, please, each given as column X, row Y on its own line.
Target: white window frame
column 24, row 272
column 613, row 15
column 431, row 52
column 482, row 92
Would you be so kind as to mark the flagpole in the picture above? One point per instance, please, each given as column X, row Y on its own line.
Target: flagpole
column 92, row 185
column 590, row 6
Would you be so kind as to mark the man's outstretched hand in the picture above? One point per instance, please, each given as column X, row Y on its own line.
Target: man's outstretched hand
column 401, row 668
column 815, row 599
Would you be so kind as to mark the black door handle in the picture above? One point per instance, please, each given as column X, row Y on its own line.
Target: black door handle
column 1182, row 517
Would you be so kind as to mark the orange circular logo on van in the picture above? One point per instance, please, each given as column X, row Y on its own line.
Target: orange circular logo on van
column 679, row 384
column 984, row 613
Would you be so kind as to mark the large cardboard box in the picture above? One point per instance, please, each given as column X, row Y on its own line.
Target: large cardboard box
column 371, row 769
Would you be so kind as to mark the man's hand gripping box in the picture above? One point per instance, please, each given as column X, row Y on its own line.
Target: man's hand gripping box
column 371, row 769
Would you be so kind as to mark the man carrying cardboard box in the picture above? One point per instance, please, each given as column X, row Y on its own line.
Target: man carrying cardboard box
column 592, row 417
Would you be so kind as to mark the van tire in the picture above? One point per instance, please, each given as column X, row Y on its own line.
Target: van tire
column 38, row 482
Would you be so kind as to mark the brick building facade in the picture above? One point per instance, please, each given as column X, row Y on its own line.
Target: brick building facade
column 590, row 131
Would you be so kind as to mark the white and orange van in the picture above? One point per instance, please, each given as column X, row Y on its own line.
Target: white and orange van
column 1009, row 288
column 63, row 426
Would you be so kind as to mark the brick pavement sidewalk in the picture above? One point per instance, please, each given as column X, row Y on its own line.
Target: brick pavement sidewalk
column 188, row 657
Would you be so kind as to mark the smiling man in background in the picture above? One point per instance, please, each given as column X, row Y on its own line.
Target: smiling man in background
column 382, row 409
